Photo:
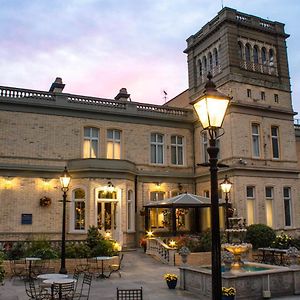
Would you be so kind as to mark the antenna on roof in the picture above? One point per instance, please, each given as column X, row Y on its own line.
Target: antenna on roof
column 165, row 95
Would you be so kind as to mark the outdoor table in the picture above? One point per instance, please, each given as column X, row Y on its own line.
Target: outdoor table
column 273, row 252
column 103, row 258
column 52, row 276
column 31, row 259
column 58, row 281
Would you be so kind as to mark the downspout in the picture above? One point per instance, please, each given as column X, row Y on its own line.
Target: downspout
column 194, row 160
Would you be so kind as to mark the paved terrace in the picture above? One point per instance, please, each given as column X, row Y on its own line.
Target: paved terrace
column 138, row 270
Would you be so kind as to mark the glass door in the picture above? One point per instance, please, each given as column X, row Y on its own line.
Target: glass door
column 106, row 217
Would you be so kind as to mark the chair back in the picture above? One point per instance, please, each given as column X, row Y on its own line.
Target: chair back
column 30, row 288
column 64, row 290
column 86, row 286
column 130, row 294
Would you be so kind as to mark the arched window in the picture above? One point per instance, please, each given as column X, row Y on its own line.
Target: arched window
column 255, row 54
column 210, row 61
column 79, row 209
column 271, row 57
column 240, row 50
column 216, row 57
column 263, row 56
column 248, row 53
column 200, row 68
column 204, row 61
column 130, row 211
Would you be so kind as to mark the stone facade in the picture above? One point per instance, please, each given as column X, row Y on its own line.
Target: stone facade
column 41, row 132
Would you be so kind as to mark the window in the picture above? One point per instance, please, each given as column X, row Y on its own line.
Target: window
column 276, row 98
column 210, row 61
column 91, row 142
column 157, row 148
column 248, row 93
column 255, row 55
column 204, row 64
column 130, row 211
column 287, row 206
column 240, row 50
column 206, row 193
column 248, row 53
column 275, row 141
column 262, row 96
column 269, row 205
column 216, row 57
column 79, row 209
column 250, row 193
column 158, row 218
column 205, row 146
column 177, row 150
column 271, row 57
column 157, row 196
column 200, row 68
column 263, row 56
column 255, row 140
column 113, row 144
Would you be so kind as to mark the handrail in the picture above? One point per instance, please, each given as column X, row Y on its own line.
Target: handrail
column 16, row 93
column 161, row 250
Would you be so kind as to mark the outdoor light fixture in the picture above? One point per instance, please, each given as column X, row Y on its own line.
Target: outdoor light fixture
column 149, row 234
column 226, row 187
column 211, row 108
column 65, row 179
column 172, row 244
column 110, row 187
column 107, row 235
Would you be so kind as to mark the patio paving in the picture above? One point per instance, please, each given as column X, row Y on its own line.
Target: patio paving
column 138, row 270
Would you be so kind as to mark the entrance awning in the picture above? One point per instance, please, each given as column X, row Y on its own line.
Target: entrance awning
column 183, row 200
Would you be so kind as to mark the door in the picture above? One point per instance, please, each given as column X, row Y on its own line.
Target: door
column 106, row 217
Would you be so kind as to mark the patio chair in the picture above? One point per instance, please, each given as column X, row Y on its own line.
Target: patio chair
column 18, row 268
column 63, row 291
column 93, row 266
column 85, row 287
column 34, row 292
column 40, row 267
column 116, row 267
column 81, row 266
column 130, row 294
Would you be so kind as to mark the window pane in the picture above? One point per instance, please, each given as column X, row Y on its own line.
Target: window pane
column 110, row 134
column 269, row 212
column 117, row 151
column 117, row 134
column 275, row 148
column 180, row 156
column 86, row 132
column 153, row 137
column 86, row 149
column 159, row 154
column 79, row 194
column 94, row 150
column 286, row 192
column 153, row 154
column 129, row 215
column 250, row 192
column 173, row 155
column 173, row 139
column 179, row 140
column 159, row 138
column 287, row 212
column 79, row 215
column 250, row 212
column 269, row 192
column 95, row 132
column 110, row 150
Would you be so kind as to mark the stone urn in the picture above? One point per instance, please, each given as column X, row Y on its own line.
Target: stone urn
column 184, row 252
column 293, row 254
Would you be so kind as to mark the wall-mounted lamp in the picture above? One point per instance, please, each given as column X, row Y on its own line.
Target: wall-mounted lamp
column 46, row 183
column 149, row 234
column 172, row 244
column 158, row 185
column 180, row 187
column 110, row 187
column 8, row 182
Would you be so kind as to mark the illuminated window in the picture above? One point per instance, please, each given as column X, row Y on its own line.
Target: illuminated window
column 130, row 211
column 269, row 205
column 287, row 206
column 177, row 150
column 157, row 148
column 79, row 209
column 275, row 141
column 250, row 193
column 255, row 140
column 113, row 144
column 157, row 215
column 91, row 142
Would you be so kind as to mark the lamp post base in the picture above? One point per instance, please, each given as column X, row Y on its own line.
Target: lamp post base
column 63, row 271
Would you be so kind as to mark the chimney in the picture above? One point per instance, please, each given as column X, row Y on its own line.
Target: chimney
column 123, row 95
column 57, row 86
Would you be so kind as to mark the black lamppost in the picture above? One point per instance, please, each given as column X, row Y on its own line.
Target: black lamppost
column 65, row 179
column 226, row 187
column 211, row 108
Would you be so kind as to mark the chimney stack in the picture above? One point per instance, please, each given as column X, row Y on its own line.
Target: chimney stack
column 123, row 95
column 57, row 86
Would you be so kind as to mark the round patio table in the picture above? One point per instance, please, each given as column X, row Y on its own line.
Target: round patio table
column 102, row 258
column 31, row 259
column 52, row 276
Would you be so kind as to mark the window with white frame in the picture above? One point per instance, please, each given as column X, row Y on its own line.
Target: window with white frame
column 79, row 209
column 287, row 206
column 269, row 192
column 177, row 150
column 275, row 141
column 113, row 144
column 157, row 148
column 130, row 211
column 91, row 142
column 255, row 140
column 250, row 193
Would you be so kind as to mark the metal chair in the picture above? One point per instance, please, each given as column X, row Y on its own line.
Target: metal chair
column 18, row 268
column 93, row 266
column 130, row 294
column 34, row 292
column 116, row 267
column 85, row 287
column 63, row 291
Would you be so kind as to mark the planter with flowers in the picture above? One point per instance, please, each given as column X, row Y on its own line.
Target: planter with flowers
column 228, row 293
column 171, row 280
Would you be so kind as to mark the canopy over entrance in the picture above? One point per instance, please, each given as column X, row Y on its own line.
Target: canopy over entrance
column 181, row 207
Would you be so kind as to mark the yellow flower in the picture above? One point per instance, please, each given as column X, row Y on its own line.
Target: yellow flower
column 230, row 291
column 170, row 277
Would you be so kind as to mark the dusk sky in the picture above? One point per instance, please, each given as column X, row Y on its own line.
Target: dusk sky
column 100, row 46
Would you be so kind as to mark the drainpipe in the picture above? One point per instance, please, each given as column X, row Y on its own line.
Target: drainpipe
column 194, row 160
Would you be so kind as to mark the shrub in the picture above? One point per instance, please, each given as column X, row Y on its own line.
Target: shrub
column 41, row 248
column 282, row 241
column 80, row 250
column 260, row 235
column 103, row 248
column 2, row 271
column 17, row 251
column 93, row 237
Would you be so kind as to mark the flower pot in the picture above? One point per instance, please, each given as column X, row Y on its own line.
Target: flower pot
column 172, row 284
column 228, row 297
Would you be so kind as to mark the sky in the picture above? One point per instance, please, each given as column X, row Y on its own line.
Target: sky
column 98, row 47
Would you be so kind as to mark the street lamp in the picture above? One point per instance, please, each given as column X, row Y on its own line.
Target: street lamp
column 65, row 179
column 211, row 108
column 226, row 187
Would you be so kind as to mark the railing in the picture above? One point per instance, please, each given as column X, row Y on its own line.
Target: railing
column 262, row 68
column 15, row 93
column 162, row 251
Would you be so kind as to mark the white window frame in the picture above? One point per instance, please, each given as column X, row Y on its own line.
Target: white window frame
column 72, row 223
column 275, row 138
column 289, row 199
column 177, row 146
column 130, row 211
column 91, row 139
column 156, row 145
column 115, row 141
column 255, row 136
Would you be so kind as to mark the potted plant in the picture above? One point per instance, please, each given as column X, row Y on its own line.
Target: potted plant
column 228, row 293
column 171, row 280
